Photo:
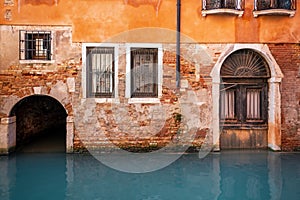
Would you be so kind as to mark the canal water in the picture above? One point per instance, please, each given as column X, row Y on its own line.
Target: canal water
column 226, row 175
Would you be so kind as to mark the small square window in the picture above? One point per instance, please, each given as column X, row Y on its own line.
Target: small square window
column 35, row 45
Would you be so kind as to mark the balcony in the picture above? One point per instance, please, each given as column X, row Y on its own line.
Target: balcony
column 234, row 7
column 274, row 7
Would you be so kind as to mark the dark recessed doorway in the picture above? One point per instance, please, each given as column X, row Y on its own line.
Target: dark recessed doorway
column 40, row 125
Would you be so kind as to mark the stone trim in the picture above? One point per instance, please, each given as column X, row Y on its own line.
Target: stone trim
column 290, row 13
column 144, row 100
column 8, row 139
column 239, row 13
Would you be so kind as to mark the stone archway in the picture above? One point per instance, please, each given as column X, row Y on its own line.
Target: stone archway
column 244, row 101
column 8, row 123
column 40, row 124
column 274, row 99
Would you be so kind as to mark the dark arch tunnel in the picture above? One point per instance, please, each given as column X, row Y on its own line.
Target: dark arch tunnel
column 40, row 124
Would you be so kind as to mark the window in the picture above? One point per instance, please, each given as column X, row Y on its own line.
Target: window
column 243, row 93
column 234, row 7
column 144, row 63
column 274, row 4
column 35, row 45
column 228, row 105
column 254, row 97
column 244, row 102
column 218, row 4
column 274, row 7
column 100, row 72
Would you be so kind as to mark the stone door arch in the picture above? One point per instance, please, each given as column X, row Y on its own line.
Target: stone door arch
column 36, row 115
column 273, row 93
column 244, row 100
column 10, row 132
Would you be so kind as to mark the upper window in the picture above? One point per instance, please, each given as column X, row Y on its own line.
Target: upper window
column 100, row 72
column 274, row 7
column 243, row 95
column 216, row 4
column 35, row 45
column 274, row 4
column 143, row 73
column 222, row 6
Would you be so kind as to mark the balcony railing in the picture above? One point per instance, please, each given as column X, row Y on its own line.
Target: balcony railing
column 274, row 4
column 223, row 7
column 222, row 4
column 274, row 7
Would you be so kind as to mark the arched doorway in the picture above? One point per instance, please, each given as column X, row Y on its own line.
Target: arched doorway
column 40, row 124
column 274, row 95
column 244, row 101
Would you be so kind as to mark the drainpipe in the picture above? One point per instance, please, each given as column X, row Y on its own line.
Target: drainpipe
column 178, row 44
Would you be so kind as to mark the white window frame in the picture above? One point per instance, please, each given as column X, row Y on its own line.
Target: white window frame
column 84, row 72
column 159, row 72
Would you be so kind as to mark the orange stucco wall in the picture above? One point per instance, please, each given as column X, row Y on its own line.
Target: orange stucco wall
column 98, row 20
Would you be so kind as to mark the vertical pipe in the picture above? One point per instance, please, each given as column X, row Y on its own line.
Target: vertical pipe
column 178, row 44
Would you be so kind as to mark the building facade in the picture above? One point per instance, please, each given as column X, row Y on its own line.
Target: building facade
column 108, row 72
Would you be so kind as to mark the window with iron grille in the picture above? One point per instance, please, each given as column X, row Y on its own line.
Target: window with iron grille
column 219, row 4
column 100, row 72
column 144, row 73
column 35, row 45
column 275, row 4
column 244, row 89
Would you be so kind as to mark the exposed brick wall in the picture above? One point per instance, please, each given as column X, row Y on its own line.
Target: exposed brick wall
column 288, row 58
column 141, row 126
column 98, row 125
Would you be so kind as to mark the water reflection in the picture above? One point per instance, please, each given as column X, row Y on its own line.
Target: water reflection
column 225, row 175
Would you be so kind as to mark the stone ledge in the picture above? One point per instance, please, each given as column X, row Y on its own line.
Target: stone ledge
column 290, row 13
column 222, row 11
column 8, row 120
column 36, row 61
column 144, row 100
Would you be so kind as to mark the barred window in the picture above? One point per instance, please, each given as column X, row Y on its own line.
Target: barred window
column 35, row 45
column 144, row 72
column 100, row 71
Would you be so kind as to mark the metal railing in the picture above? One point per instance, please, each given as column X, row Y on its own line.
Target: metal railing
column 274, row 4
column 222, row 4
column 35, row 45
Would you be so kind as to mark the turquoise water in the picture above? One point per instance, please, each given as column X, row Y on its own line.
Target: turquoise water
column 226, row 175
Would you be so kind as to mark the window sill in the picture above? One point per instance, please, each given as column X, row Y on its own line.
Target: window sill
column 144, row 100
column 290, row 13
column 105, row 100
column 37, row 61
column 222, row 11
